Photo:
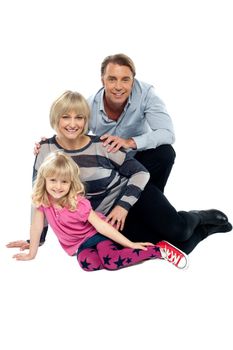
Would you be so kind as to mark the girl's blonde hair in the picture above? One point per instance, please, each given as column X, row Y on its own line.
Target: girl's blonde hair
column 67, row 102
column 59, row 165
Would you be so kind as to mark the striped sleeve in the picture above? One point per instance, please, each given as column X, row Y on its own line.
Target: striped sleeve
column 137, row 177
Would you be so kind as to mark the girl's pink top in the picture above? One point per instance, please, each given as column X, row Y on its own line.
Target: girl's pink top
column 72, row 228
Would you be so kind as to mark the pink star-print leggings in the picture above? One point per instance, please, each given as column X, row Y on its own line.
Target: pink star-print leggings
column 107, row 255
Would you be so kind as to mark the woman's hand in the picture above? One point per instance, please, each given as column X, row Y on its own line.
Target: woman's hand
column 141, row 245
column 117, row 217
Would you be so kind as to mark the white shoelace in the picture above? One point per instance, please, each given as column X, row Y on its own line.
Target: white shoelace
column 170, row 256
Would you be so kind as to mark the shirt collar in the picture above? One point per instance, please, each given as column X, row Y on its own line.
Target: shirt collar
column 102, row 101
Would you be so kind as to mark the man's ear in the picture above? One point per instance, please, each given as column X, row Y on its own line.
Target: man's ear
column 102, row 81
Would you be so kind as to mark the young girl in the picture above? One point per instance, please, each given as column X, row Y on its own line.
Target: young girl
column 58, row 195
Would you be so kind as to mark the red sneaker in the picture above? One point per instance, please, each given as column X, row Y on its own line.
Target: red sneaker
column 173, row 255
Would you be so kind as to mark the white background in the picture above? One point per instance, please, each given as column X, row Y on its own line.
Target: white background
column 183, row 48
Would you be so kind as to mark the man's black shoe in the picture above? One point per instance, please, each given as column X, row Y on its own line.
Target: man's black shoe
column 211, row 217
column 218, row 228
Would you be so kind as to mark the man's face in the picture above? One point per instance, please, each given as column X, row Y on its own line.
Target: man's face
column 118, row 82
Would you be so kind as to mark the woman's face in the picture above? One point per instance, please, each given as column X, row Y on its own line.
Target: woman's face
column 71, row 125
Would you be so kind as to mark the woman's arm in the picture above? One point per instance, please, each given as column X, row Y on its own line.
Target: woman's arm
column 138, row 176
column 35, row 233
column 109, row 231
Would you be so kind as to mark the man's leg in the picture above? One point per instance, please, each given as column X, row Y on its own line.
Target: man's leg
column 158, row 161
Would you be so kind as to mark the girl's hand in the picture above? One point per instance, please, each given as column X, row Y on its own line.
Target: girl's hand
column 18, row 244
column 23, row 256
column 141, row 245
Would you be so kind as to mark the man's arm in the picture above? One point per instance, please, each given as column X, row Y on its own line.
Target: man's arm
column 148, row 124
column 159, row 121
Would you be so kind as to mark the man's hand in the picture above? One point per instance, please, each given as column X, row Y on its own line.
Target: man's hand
column 114, row 143
column 117, row 217
column 18, row 244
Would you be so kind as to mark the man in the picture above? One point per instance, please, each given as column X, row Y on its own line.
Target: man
column 128, row 113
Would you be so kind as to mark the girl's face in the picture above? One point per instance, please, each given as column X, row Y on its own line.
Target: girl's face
column 57, row 187
column 71, row 125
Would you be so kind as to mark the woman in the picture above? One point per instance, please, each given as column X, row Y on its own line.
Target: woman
column 115, row 184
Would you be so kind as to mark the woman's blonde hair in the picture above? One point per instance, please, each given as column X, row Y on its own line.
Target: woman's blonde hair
column 67, row 102
column 59, row 165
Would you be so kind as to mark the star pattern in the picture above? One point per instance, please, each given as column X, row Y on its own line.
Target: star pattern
column 156, row 249
column 137, row 251
column 106, row 260
column 85, row 264
column 116, row 260
column 119, row 262
column 114, row 247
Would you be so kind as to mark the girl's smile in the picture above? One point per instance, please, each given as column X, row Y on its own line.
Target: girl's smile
column 57, row 187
